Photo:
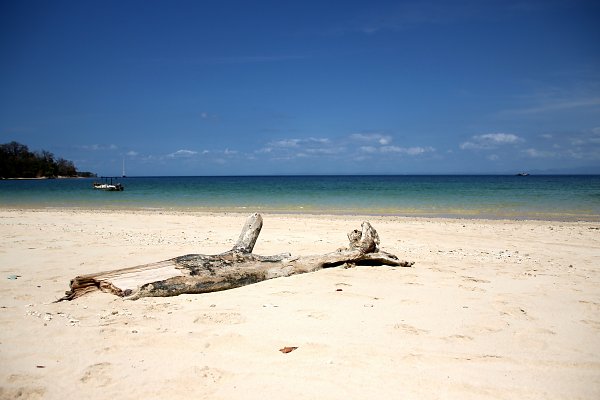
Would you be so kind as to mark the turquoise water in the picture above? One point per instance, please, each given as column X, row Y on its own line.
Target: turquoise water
column 533, row 197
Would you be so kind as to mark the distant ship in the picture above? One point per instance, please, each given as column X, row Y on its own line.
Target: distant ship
column 522, row 174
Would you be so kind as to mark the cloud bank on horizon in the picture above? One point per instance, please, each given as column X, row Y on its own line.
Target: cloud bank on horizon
column 270, row 88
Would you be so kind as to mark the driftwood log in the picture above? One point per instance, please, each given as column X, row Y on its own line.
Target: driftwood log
column 198, row 273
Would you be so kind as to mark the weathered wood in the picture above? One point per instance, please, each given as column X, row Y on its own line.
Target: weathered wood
column 249, row 234
column 198, row 273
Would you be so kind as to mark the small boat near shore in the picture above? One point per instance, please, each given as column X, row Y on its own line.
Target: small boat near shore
column 108, row 185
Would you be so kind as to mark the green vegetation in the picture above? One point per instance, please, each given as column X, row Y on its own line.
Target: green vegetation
column 16, row 161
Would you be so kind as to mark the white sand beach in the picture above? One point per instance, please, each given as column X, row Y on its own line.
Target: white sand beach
column 491, row 309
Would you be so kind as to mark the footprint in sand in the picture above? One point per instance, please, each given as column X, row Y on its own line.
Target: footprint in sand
column 313, row 314
column 207, row 374
column 472, row 284
column 205, row 380
column 515, row 312
column 414, row 357
column 414, row 283
column 491, row 327
column 163, row 307
column 104, row 350
column 97, row 374
column 484, row 357
column 14, row 378
column 406, row 328
column 505, row 308
column 471, row 288
column 593, row 323
column 29, row 393
column 231, row 318
column 472, row 279
column 534, row 338
column 590, row 305
column 284, row 293
column 457, row 338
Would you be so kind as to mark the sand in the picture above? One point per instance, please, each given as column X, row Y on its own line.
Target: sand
column 491, row 309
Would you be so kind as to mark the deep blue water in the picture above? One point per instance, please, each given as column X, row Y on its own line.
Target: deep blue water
column 538, row 197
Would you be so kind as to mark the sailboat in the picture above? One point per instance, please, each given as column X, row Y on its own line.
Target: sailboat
column 107, row 184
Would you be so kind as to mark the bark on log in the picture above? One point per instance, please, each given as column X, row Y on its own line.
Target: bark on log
column 198, row 273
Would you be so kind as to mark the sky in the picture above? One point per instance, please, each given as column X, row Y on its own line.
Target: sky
column 306, row 87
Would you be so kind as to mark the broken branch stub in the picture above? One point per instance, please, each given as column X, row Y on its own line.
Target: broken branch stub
column 249, row 234
column 199, row 273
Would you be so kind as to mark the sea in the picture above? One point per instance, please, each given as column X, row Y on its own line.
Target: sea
column 542, row 197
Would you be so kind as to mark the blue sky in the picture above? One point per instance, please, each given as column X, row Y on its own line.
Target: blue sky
column 310, row 87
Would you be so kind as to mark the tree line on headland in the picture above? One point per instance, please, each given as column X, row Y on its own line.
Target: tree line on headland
column 16, row 161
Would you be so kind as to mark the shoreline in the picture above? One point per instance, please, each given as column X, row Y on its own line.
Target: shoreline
column 558, row 217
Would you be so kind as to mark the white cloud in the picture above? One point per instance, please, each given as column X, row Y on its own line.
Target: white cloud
column 578, row 154
column 595, row 140
column 298, row 147
column 377, row 143
column 319, row 140
column 372, row 138
column 286, row 143
column 292, row 143
column 584, row 144
column 546, row 106
column 98, row 147
column 587, row 138
column 264, row 150
column 411, row 151
column 182, row 154
column 355, row 145
column 209, row 117
column 324, row 150
column 500, row 138
column 490, row 141
column 535, row 153
column 368, row 149
column 132, row 153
